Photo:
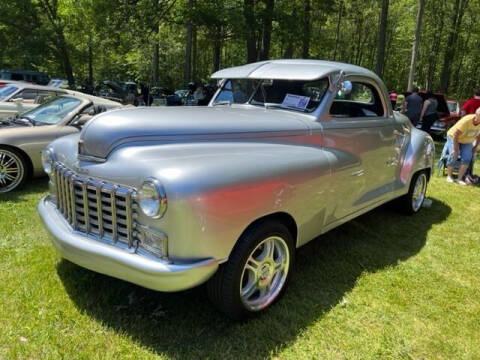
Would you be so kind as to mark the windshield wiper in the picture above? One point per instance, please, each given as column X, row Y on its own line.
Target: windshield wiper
column 19, row 120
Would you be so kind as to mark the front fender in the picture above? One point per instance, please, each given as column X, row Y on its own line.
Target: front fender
column 215, row 190
column 419, row 155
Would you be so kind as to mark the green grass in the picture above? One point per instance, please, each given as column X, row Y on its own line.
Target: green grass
column 384, row 286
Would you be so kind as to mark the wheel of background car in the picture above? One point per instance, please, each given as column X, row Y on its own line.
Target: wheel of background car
column 13, row 170
column 256, row 274
column 412, row 202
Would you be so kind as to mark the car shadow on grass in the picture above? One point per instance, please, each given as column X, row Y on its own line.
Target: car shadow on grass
column 34, row 186
column 185, row 325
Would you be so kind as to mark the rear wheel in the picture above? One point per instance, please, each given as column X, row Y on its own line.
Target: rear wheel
column 13, row 170
column 256, row 273
column 412, row 202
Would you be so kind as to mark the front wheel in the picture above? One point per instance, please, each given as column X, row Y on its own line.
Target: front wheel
column 256, row 273
column 412, row 202
column 13, row 170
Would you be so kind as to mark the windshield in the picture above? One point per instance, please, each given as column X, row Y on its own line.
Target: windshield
column 297, row 95
column 6, row 91
column 54, row 111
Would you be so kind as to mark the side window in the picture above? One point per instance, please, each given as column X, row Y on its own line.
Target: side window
column 28, row 95
column 43, row 96
column 362, row 101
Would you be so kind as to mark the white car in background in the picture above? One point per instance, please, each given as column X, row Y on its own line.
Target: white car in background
column 18, row 97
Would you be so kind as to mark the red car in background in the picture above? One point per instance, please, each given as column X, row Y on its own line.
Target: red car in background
column 448, row 114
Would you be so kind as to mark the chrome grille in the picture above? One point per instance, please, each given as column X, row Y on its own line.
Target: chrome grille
column 95, row 207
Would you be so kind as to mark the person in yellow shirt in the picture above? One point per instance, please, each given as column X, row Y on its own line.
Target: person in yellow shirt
column 463, row 139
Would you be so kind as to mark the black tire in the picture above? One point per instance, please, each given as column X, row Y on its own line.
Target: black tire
column 406, row 203
column 7, row 155
column 224, row 287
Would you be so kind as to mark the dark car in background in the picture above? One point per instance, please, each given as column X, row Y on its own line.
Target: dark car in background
column 25, row 75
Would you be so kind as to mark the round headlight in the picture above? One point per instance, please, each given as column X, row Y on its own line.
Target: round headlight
column 152, row 198
column 47, row 161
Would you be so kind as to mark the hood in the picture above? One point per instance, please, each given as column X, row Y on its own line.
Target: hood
column 162, row 124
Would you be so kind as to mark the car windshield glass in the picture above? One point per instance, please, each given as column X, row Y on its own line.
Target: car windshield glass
column 6, row 91
column 54, row 111
column 296, row 95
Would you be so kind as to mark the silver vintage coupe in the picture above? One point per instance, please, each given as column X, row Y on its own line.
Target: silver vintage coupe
column 170, row 198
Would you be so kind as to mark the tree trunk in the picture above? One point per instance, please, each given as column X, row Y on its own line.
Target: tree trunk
column 90, row 63
column 217, row 48
column 382, row 31
column 249, row 15
column 307, row 29
column 188, row 46
column 155, row 70
column 267, row 30
column 337, row 33
column 416, row 44
column 457, row 14
column 194, row 53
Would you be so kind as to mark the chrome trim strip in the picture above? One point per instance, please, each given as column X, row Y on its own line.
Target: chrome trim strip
column 90, row 158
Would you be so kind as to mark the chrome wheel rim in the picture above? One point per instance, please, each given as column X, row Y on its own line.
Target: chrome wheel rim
column 419, row 192
column 264, row 273
column 11, row 171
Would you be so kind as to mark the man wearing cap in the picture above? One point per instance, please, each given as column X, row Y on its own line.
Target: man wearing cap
column 463, row 139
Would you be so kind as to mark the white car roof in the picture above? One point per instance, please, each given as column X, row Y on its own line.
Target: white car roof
column 95, row 99
column 25, row 85
column 291, row 70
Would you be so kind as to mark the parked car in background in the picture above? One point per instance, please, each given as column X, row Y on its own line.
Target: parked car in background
column 21, row 96
column 447, row 118
column 125, row 93
column 22, row 138
column 7, row 82
column 34, row 77
column 288, row 149
column 164, row 97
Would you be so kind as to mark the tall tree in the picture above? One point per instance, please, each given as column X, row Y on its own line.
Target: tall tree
column 307, row 28
column 188, row 43
column 416, row 43
column 382, row 32
column 456, row 21
column 250, row 27
column 265, row 40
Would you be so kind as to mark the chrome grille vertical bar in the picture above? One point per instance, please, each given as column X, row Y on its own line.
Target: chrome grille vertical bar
column 62, row 189
column 98, row 193
column 59, row 190
column 128, row 210
column 72, row 202
column 85, row 206
column 113, row 205
column 68, row 207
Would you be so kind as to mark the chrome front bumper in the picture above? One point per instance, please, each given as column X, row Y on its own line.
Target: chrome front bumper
column 109, row 260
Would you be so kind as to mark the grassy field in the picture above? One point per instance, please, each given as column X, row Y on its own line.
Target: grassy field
column 384, row 286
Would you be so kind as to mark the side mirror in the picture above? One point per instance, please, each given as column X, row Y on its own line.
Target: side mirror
column 18, row 101
column 81, row 120
column 346, row 87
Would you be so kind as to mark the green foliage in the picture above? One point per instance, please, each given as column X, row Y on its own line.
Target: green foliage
column 117, row 38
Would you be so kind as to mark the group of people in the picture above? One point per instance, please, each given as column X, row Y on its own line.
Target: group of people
column 463, row 138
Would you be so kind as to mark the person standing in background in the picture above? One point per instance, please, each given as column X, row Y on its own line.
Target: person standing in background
column 462, row 140
column 412, row 106
column 472, row 104
column 393, row 99
column 429, row 111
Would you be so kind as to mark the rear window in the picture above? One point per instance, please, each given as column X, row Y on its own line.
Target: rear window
column 6, row 91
